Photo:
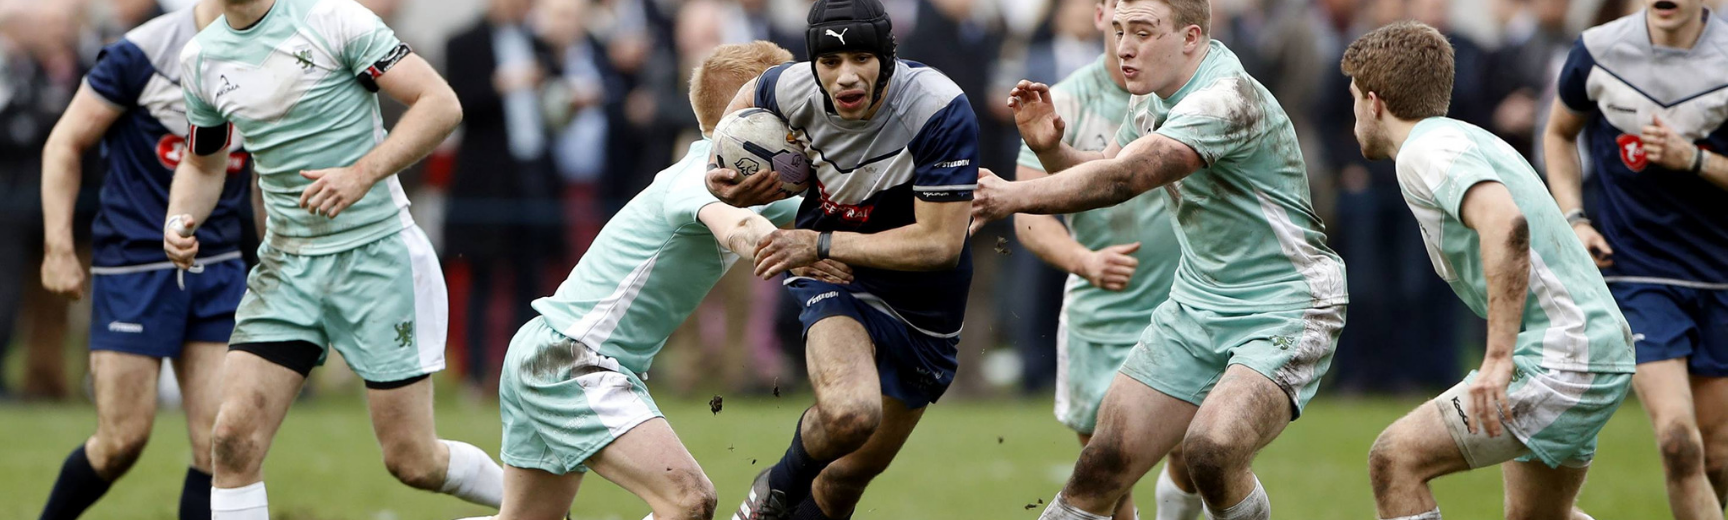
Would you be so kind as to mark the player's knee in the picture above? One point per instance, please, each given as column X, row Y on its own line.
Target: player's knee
column 233, row 450
column 1211, row 456
column 123, row 449
column 415, row 470
column 850, row 426
column 1682, row 451
column 1100, row 468
column 1385, row 463
column 697, row 500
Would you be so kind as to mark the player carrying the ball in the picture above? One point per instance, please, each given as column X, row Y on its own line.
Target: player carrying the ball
column 1258, row 302
column 342, row 264
column 1559, row 357
column 894, row 147
column 571, row 394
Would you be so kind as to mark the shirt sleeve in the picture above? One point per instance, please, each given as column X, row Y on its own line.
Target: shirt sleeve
column 685, row 197
column 120, row 73
column 1214, row 121
column 358, row 38
column 198, row 111
column 1130, row 129
column 1573, row 86
column 1443, row 170
column 767, row 89
column 945, row 154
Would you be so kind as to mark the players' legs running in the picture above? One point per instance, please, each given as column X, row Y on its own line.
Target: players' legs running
column 1535, row 491
column 402, row 420
column 1710, row 402
column 125, row 409
column 1664, row 388
column 1136, row 426
column 256, row 393
column 1244, row 412
column 837, row 490
column 1177, row 499
column 199, row 371
column 1125, row 507
column 1412, row 451
column 536, row 494
column 650, row 462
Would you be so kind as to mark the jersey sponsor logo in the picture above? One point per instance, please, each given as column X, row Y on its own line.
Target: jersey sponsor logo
column 1632, row 152
column 818, row 298
column 171, row 148
column 226, row 86
column 846, row 212
column 839, row 35
column 128, row 328
column 954, row 164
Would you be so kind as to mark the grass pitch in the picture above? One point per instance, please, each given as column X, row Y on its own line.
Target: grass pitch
column 968, row 460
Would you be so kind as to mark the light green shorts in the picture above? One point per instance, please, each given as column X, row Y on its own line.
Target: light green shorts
column 1186, row 350
column 1084, row 370
column 382, row 305
column 1554, row 416
column 562, row 402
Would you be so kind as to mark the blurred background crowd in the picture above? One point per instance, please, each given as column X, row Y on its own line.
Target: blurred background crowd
column 572, row 106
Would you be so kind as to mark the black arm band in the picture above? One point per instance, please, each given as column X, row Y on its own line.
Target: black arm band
column 369, row 78
column 823, row 242
column 209, row 140
column 1698, row 160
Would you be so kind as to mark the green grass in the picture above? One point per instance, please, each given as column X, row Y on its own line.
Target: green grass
column 325, row 464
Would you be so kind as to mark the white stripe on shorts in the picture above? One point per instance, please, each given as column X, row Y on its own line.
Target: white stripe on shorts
column 431, row 298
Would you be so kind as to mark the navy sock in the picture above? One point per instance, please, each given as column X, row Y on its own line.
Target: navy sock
column 808, row 510
column 195, row 496
column 77, row 488
column 797, row 469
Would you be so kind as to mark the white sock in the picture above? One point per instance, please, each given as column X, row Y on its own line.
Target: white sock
column 1255, row 507
column 241, row 503
column 1430, row 515
column 1060, row 509
column 1173, row 502
column 472, row 475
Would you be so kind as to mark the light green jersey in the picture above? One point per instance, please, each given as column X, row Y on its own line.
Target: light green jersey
column 288, row 85
column 649, row 267
column 1570, row 320
column 1092, row 104
column 1251, row 241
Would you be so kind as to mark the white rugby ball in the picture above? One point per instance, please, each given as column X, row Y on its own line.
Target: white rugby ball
column 754, row 140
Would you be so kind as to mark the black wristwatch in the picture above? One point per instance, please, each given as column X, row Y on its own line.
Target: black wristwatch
column 823, row 242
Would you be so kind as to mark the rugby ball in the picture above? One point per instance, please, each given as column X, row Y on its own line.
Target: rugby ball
column 754, row 140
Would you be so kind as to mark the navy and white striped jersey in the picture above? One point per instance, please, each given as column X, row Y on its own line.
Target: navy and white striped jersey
column 922, row 144
column 140, row 75
column 1666, row 227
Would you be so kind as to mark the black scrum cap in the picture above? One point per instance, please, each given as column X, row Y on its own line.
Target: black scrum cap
column 852, row 26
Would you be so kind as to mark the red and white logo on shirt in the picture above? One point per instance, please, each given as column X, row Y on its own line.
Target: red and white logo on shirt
column 172, row 147
column 1632, row 152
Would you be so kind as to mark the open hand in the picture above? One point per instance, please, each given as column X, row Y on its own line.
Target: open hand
column 744, row 191
column 784, row 250
column 1035, row 115
column 1488, row 396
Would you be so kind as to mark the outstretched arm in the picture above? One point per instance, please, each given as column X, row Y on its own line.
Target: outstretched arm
column 1148, row 162
column 932, row 243
column 1109, row 268
column 433, row 112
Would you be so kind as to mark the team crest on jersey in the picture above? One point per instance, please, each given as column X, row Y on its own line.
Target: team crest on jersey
column 303, row 56
column 171, row 148
column 1632, row 152
column 405, row 334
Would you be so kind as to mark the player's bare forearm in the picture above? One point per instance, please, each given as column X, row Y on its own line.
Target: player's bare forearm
column 1063, row 157
column 1149, row 162
column 1045, row 235
column 1560, row 152
column 1489, row 209
column 78, row 130
column 745, row 98
column 1715, row 168
column 932, row 243
column 433, row 112
column 197, row 185
column 737, row 229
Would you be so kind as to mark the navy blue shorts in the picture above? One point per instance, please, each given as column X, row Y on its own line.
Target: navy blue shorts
column 915, row 368
column 145, row 312
column 1670, row 322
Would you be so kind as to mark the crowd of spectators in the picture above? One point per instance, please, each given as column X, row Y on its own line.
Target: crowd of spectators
column 571, row 107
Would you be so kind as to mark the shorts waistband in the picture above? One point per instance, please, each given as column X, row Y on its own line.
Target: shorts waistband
column 158, row 266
